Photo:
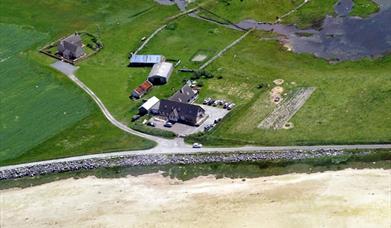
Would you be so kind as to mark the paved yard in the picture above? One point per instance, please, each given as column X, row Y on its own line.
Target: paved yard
column 184, row 130
column 65, row 68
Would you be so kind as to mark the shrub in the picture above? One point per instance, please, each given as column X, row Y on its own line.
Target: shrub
column 172, row 26
column 202, row 73
column 152, row 131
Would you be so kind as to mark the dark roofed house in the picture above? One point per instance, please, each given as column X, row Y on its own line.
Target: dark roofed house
column 71, row 47
column 146, row 60
column 186, row 95
column 182, row 112
column 142, row 89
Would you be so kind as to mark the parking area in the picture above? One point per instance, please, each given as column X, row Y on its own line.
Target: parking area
column 213, row 113
column 65, row 68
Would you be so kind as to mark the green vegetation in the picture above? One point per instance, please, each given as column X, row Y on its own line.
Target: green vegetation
column 44, row 115
column 91, row 135
column 237, row 10
column 35, row 105
column 349, row 105
column 364, row 8
column 152, row 131
column 311, row 14
column 109, row 77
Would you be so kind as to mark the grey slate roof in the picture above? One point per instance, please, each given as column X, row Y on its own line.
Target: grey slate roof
column 71, row 47
column 181, row 112
column 146, row 59
column 186, row 94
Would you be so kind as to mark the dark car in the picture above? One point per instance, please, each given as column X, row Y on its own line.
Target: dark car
column 151, row 124
column 135, row 117
column 168, row 124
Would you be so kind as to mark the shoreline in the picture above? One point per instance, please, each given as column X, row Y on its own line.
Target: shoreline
column 162, row 159
column 138, row 160
column 331, row 198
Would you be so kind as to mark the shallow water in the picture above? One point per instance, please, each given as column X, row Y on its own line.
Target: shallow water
column 340, row 37
column 343, row 7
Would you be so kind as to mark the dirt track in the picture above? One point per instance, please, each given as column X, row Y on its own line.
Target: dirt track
column 349, row 198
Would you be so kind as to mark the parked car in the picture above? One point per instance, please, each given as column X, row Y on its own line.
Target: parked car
column 151, row 124
column 135, row 117
column 226, row 104
column 206, row 101
column 197, row 145
column 210, row 102
column 231, row 106
column 168, row 124
column 209, row 127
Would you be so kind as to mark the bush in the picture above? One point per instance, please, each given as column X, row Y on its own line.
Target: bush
column 262, row 85
column 172, row 26
column 201, row 73
column 152, row 131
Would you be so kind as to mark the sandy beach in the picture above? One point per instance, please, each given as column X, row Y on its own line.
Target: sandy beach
column 348, row 198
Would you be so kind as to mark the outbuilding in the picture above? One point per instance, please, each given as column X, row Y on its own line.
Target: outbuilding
column 145, row 60
column 160, row 73
column 141, row 90
column 150, row 106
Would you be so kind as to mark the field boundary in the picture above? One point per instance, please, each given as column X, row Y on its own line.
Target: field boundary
column 45, row 49
column 218, row 55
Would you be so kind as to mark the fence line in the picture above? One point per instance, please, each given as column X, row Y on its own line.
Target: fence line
column 218, row 55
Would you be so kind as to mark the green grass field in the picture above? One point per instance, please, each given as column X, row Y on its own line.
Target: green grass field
column 309, row 15
column 349, row 105
column 44, row 115
column 237, row 10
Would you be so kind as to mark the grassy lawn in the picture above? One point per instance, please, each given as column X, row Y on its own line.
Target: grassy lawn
column 349, row 105
column 364, row 8
column 260, row 10
column 44, row 115
column 311, row 14
column 91, row 135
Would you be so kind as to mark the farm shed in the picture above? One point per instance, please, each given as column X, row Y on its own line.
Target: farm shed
column 186, row 94
column 160, row 73
column 146, row 60
column 71, row 47
column 182, row 112
column 150, row 106
column 141, row 90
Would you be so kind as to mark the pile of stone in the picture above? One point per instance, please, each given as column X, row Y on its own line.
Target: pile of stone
column 160, row 159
